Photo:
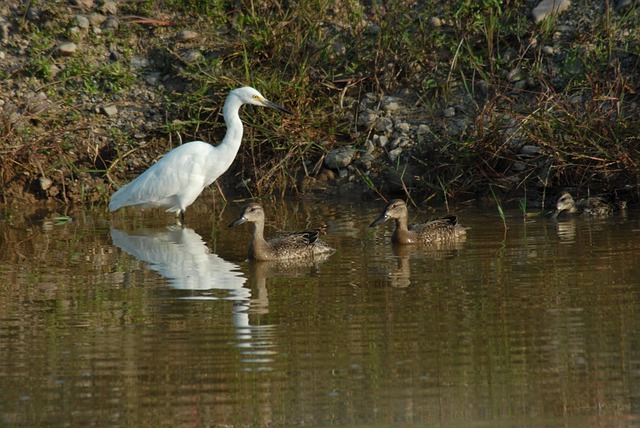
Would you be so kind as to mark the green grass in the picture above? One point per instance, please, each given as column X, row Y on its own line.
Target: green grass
column 311, row 55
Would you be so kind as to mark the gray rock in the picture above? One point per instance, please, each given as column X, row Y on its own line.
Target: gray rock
column 109, row 7
column 548, row 50
column 516, row 75
column 435, row 21
column 403, row 127
column 390, row 104
column 518, row 166
column 623, row 4
column 567, row 29
column 423, row 129
column 369, row 147
column 38, row 103
column 82, row 22
column 85, row 4
column 339, row 48
column 4, row 31
column 186, row 35
column 192, row 56
column 365, row 161
column 520, row 84
column 401, row 142
column 367, row 118
column 549, row 7
column 339, row 158
column 109, row 111
column 152, row 78
column 33, row 14
column 373, row 29
column 530, row 150
column 67, row 48
column 384, row 124
column 111, row 24
column 395, row 154
column 380, row 140
column 449, row 112
column 138, row 62
column 97, row 19
column 45, row 183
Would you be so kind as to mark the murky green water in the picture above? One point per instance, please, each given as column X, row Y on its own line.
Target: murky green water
column 127, row 322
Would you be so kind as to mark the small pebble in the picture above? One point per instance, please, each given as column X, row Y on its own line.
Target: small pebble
column 390, row 104
column 530, row 150
column 186, row 35
column 97, row 19
column 192, row 56
column 403, row 127
column 109, row 111
column 67, row 48
column 86, row 4
column 4, row 31
column 45, row 183
column 339, row 158
column 516, row 75
column 423, row 129
column 109, row 7
column 33, row 14
column 549, row 7
column 112, row 23
column 82, row 22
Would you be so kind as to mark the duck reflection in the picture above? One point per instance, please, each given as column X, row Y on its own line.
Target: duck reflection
column 400, row 277
column 567, row 229
column 261, row 271
column 180, row 255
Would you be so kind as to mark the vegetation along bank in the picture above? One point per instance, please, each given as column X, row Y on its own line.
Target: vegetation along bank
column 426, row 100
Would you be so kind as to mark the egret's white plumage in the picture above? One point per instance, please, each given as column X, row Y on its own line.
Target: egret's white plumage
column 176, row 180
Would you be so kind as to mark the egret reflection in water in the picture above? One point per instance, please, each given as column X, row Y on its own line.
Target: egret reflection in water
column 180, row 255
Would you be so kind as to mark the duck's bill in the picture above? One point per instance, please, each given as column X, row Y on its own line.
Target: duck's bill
column 378, row 221
column 238, row 222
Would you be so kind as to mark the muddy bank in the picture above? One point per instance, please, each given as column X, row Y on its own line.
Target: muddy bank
column 93, row 93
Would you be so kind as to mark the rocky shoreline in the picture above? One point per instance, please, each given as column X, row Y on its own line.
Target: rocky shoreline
column 73, row 148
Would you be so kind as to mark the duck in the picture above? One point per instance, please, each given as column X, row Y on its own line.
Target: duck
column 444, row 229
column 594, row 206
column 285, row 246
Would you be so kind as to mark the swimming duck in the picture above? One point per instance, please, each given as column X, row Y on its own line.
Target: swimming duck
column 443, row 229
column 285, row 246
column 594, row 206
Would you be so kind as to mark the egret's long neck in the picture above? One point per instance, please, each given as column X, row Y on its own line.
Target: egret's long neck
column 233, row 137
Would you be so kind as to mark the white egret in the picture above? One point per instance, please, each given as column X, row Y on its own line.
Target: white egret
column 176, row 180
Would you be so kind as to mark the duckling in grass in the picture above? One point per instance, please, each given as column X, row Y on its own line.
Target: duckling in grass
column 285, row 246
column 443, row 229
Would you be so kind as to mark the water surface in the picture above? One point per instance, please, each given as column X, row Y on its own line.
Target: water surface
column 131, row 320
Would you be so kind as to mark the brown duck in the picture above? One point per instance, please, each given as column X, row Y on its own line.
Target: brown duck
column 285, row 246
column 445, row 229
